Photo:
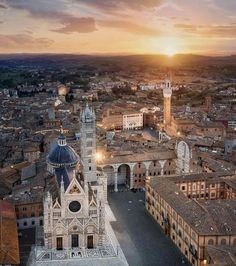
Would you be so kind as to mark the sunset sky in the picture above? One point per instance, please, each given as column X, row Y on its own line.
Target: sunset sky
column 118, row 26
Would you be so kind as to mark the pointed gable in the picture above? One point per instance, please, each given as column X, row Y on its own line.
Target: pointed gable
column 74, row 187
column 56, row 204
column 93, row 203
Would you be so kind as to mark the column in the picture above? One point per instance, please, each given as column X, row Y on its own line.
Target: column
column 131, row 185
column 147, row 174
column 162, row 170
column 115, row 179
column 162, row 163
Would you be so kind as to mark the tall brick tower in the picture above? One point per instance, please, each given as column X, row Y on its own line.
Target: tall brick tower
column 167, row 92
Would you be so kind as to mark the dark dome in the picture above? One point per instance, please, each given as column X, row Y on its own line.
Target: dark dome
column 62, row 154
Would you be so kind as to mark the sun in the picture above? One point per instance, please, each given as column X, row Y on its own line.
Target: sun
column 170, row 51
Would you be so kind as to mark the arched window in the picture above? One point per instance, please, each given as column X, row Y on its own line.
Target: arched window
column 184, row 149
column 180, row 233
column 186, row 240
column 186, row 229
column 223, row 241
column 210, row 242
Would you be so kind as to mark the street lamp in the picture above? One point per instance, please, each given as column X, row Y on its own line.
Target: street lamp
column 98, row 156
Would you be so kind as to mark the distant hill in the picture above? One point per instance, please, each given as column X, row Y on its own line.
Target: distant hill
column 72, row 60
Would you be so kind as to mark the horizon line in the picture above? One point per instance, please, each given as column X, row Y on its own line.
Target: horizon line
column 116, row 54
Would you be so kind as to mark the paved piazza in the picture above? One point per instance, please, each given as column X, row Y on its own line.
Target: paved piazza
column 141, row 239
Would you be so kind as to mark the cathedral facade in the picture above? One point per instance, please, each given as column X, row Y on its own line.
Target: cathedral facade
column 75, row 218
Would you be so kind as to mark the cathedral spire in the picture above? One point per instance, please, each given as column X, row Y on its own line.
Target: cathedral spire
column 88, row 143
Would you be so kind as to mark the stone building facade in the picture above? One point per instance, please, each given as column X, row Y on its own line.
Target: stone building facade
column 133, row 121
column 75, row 219
column 196, row 211
column 133, row 169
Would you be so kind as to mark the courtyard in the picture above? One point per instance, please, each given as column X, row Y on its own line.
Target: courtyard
column 141, row 238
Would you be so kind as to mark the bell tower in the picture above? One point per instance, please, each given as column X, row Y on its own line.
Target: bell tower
column 88, row 143
column 167, row 92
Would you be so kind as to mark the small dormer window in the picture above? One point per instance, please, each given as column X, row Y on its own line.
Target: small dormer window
column 62, row 140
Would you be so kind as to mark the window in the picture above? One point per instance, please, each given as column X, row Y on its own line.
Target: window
column 234, row 242
column 89, row 135
column 223, row 241
column 186, row 240
column 210, row 242
column 183, row 187
column 89, row 144
column 180, row 233
column 33, row 222
column 193, row 236
column 57, row 214
column 90, row 168
column 59, row 241
column 32, row 214
column 25, row 223
column 24, row 208
column 180, row 221
column 75, row 241
column 41, row 222
column 186, row 228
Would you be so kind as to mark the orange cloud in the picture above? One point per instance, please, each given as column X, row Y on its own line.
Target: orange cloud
column 24, row 42
column 131, row 27
column 80, row 25
column 119, row 5
column 220, row 31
